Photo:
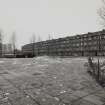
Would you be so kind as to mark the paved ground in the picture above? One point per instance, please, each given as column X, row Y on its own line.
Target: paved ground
column 48, row 81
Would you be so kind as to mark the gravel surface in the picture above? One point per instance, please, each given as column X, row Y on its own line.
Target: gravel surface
column 48, row 81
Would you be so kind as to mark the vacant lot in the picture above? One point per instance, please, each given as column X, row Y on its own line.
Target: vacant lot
column 48, row 81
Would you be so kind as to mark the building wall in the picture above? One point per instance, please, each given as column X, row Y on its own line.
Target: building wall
column 79, row 45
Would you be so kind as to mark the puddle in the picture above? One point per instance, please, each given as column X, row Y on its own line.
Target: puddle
column 37, row 73
column 5, row 72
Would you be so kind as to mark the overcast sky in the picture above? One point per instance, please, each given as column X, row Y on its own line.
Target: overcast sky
column 59, row 18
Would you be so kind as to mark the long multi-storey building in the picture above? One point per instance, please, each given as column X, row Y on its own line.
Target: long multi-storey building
column 78, row 45
column 0, row 46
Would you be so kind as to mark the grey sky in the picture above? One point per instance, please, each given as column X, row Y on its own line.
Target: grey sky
column 56, row 17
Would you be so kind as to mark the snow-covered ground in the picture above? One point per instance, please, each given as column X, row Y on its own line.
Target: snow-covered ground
column 48, row 81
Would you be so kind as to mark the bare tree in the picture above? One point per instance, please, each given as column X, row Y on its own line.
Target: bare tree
column 49, row 37
column 0, row 36
column 1, row 42
column 13, row 42
column 33, row 38
column 48, row 48
column 39, row 38
column 101, row 13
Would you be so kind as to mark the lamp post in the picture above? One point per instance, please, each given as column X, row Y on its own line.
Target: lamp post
column 98, row 64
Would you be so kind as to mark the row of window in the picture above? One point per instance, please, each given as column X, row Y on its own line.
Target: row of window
column 90, row 41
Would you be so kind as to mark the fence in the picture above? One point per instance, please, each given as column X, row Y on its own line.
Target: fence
column 97, row 70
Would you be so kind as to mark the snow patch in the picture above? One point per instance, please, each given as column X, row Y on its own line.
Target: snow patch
column 1, row 61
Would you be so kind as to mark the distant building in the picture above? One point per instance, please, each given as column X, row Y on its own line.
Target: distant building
column 89, row 44
column 7, row 49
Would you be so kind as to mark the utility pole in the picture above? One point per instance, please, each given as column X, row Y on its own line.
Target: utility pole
column 98, row 72
column 49, row 38
column 33, row 44
column 13, row 42
column 98, row 65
